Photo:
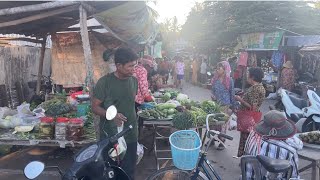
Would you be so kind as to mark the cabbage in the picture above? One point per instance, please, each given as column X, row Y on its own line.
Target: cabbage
column 182, row 97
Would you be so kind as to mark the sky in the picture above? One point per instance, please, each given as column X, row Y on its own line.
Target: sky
column 171, row 8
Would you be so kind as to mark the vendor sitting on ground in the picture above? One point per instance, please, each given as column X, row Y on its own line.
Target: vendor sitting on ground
column 274, row 137
column 157, row 82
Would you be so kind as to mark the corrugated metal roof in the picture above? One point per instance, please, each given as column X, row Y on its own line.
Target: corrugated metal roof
column 300, row 41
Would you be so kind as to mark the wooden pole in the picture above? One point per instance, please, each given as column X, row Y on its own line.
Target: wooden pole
column 41, row 60
column 88, row 60
column 86, row 47
column 36, row 7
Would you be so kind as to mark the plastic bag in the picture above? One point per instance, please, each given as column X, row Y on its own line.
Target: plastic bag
column 24, row 110
column 140, row 152
column 232, row 122
column 5, row 111
column 10, row 122
column 121, row 148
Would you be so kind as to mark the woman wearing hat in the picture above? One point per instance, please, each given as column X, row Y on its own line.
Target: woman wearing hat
column 288, row 76
column 274, row 137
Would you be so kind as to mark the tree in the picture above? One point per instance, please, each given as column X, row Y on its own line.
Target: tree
column 216, row 25
column 170, row 31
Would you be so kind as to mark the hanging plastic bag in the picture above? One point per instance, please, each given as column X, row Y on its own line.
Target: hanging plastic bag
column 119, row 150
column 140, row 152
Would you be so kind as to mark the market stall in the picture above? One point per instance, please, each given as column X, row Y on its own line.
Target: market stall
column 260, row 50
column 177, row 112
column 55, row 122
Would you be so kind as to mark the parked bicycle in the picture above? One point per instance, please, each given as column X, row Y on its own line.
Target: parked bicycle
column 204, row 169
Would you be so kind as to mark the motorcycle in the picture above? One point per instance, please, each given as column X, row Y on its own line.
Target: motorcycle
column 305, row 113
column 311, row 122
column 292, row 104
column 91, row 162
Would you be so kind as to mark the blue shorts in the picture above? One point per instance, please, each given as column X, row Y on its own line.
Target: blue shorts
column 180, row 76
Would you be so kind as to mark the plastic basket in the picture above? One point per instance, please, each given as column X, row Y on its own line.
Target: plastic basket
column 185, row 149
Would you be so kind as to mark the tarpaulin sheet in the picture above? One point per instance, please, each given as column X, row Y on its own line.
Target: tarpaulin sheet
column 132, row 22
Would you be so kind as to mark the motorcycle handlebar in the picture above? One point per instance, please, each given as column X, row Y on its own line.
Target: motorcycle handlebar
column 115, row 138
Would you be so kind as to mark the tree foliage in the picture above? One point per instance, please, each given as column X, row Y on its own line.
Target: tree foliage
column 212, row 25
column 170, row 32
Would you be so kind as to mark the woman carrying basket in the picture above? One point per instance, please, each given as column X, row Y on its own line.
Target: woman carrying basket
column 249, row 114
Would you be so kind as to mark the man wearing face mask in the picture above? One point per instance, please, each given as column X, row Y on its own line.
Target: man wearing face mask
column 119, row 88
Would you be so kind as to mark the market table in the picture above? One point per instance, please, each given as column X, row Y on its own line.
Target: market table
column 156, row 124
column 7, row 138
column 312, row 155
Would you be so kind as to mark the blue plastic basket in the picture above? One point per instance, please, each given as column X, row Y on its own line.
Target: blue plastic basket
column 185, row 149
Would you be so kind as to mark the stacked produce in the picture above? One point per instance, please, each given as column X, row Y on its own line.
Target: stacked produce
column 312, row 137
column 184, row 112
column 26, row 124
column 161, row 111
column 183, row 120
column 55, row 107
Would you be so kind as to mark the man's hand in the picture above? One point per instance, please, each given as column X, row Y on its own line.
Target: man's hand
column 119, row 119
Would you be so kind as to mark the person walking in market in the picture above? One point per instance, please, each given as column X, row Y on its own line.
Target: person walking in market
column 179, row 71
column 288, row 76
column 119, row 88
column 223, row 92
column 195, row 69
column 203, row 72
column 250, row 103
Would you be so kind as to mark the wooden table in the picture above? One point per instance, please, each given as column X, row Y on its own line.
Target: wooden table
column 7, row 138
column 312, row 155
column 156, row 124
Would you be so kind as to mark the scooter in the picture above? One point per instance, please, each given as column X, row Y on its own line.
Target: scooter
column 292, row 104
column 312, row 114
column 91, row 162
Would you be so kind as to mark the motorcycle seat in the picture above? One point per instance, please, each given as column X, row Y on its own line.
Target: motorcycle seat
column 296, row 117
column 299, row 102
column 274, row 165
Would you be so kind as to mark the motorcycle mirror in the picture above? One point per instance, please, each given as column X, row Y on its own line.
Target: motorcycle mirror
column 33, row 169
column 111, row 112
column 209, row 73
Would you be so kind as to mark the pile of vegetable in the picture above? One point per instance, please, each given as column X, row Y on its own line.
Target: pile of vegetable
column 161, row 111
column 89, row 129
column 312, row 137
column 183, row 120
column 184, row 112
column 55, row 107
column 211, row 107
column 169, row 94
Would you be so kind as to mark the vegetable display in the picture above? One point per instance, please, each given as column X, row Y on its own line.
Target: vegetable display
column 55, row 107
column 312, row 137
column 211, row 107
column 183, row 120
